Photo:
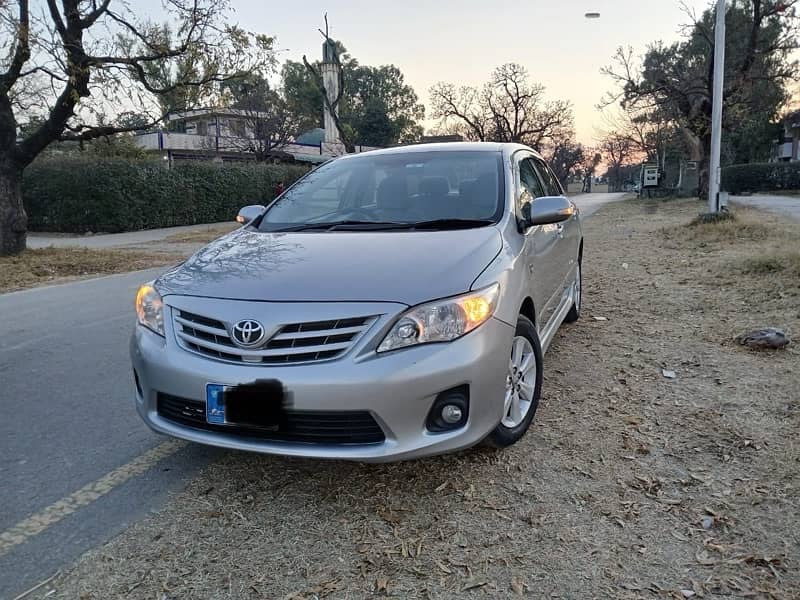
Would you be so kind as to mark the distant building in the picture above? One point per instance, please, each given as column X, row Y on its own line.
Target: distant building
column 788, row 147
column 222, row 134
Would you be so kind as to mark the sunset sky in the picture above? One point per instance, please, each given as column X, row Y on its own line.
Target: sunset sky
column 462, row 42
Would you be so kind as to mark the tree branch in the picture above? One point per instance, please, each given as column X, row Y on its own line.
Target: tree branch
column 22, row 52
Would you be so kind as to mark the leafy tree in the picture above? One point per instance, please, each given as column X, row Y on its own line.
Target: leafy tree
column 676, row 81
column 508, row 108
column 302, row 95
column 79, row 59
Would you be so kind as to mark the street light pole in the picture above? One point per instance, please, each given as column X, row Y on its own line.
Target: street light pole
column 716, row 111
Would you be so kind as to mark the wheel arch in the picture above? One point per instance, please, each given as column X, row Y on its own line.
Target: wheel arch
column 528, row 309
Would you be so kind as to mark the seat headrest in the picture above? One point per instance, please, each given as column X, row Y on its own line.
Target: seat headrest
column 484, row 192
column 393, row 193
column 434, row 186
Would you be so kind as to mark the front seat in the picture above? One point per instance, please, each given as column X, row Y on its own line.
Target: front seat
column 484, row 194
column 392, row 198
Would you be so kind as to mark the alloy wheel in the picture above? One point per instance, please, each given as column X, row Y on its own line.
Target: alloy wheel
column 520, row 382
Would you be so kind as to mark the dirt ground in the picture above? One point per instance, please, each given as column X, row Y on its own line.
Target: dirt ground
column 629, row 485
column 58, row 265
column 203, row 236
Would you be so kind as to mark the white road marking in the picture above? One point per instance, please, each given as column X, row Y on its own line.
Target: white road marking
column 36, row 524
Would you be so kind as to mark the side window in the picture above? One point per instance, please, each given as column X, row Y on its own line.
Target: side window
column 529, row 182
column 551, row 185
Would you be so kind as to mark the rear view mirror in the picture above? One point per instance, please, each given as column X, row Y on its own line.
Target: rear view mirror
column 550, row 209
column 248, row 213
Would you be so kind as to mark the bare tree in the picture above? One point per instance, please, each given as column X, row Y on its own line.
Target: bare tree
column 66, row 65
column 565, row 157
column 508, row 108
column 588, row 167
column 619, row 151
column 263, row 121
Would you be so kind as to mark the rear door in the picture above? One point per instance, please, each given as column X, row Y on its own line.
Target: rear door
column 540, row 244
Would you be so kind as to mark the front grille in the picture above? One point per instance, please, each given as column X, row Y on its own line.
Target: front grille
column 292, row 343
column 302, row 426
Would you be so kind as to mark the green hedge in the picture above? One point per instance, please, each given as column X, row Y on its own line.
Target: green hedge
column 761, row 177
column 77, row 195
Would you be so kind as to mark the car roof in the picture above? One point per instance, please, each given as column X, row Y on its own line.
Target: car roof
column 506, row 148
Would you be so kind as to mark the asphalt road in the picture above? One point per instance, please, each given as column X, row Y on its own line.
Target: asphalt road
column 787, row 206
column 79, row 466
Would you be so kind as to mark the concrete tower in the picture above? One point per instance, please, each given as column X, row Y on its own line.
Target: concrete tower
column 330, row 79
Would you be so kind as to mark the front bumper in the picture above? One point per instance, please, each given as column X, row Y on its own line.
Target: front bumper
column 397, row 388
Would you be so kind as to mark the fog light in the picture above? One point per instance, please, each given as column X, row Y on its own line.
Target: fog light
column 451, row 414
column 449, row 411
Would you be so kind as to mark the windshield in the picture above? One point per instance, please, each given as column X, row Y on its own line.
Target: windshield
column 446, row 189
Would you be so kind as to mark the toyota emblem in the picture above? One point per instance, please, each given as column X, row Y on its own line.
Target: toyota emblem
column 248, row 333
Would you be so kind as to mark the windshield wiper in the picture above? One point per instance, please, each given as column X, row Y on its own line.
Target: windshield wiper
column 452, row 223
column 348, row 225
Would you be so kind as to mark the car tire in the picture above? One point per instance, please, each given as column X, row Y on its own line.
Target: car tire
column 526, row 385
column 575, row 312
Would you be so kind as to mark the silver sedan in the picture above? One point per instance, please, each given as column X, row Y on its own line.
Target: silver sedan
column 389, row 305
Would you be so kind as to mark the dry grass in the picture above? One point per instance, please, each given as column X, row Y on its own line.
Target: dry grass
column 742, row 225
column 786, row 263
column 48, row 265
column 202, row 236
column 629, row 485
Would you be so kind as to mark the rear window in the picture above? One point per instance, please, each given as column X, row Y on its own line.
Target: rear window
column 404, row 187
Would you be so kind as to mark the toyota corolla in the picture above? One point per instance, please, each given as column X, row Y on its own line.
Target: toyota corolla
column 389, row 305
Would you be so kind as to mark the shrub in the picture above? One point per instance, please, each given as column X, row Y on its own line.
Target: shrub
column 761, row 177
column 77, row 195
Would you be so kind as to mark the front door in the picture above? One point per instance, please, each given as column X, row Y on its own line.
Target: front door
column 565, row 253
column 540, row 247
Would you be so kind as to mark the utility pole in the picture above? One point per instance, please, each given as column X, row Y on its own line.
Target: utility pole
column 716, row 111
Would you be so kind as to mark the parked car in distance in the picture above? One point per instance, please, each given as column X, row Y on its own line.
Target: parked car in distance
column 389, row 305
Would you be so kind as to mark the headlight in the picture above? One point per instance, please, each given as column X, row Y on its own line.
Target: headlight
column 443, row 320
column 150, row 308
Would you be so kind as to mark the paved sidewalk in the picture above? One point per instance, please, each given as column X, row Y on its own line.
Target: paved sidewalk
column 784, row 205
column 113, row 240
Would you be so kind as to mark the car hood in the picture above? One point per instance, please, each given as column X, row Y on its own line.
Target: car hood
column 408, row 267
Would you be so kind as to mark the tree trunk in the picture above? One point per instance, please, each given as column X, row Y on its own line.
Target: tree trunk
column 13, row 220
column 703, row 165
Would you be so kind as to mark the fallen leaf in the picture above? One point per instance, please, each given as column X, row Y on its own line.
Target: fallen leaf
column 443, row 567
column 704, row 559
column 382, row 584
column 517, row 586
column 475, row 583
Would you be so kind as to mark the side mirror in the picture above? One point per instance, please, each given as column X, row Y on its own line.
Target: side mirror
column 248, row 213
column 550, row 209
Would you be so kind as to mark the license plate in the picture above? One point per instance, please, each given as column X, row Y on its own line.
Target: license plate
column 261, row 404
